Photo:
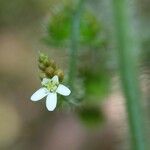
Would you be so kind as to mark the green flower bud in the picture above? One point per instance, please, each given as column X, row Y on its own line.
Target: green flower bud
column 42, row 57
column 60, row 74
column 42, row 66
column 42, row 75
column 52, row 64
column 49, row 71
column 49, row 68
column 46, row 63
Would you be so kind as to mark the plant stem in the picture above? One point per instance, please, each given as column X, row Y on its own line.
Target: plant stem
column 127, row 54
column 74, row 44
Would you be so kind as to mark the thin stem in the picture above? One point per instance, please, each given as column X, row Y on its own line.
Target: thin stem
column 74, row 44
column 127, row 54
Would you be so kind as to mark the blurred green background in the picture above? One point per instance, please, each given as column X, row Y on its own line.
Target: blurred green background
column 99, row 120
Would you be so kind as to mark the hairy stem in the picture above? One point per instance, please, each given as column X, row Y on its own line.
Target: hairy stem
column 74, row 44
column 127, row 54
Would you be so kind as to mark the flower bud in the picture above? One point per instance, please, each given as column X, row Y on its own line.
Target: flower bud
column 60, row 74
column 49, row 71
column 42, row 75
column 42, row 57
column 52, row 64
column 42, row 66
column 46, row 63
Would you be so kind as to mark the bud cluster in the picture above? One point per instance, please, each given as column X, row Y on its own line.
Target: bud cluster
column 48, row 68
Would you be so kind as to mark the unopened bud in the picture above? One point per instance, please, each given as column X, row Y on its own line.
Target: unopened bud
column 42, row 66
column 52, row 64
column 60, row 74
column 49, row 71
column 42, row 57
column 46, row 63
column 42, row 75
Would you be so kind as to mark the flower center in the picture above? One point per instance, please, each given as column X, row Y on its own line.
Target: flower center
column 50, row 85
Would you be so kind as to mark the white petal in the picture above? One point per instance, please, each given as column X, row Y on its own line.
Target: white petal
column 51, row 101
column 63, row 90
column 39, row 94
column 55, row 79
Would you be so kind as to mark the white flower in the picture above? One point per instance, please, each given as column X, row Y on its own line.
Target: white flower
column 50, row 89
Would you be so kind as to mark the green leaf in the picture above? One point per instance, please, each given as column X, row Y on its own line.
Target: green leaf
column 96, row 85
column 90, row 28
column 59, row 27
column 91, row 116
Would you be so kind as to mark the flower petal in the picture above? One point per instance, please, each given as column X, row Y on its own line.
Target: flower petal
column 51, row 101
column 63, row 90
column 39, row 94
column 55, row 79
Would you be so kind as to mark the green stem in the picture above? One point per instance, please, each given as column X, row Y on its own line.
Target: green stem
column 127, row 54
column 74, row 44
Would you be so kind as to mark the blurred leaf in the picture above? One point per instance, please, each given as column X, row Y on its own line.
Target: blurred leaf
column 59, row 28
column 90, row 28
column 96, row 85
column 91, row 116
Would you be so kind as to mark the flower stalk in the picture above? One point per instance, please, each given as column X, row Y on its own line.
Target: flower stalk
column 128, row 60
column 74, row 43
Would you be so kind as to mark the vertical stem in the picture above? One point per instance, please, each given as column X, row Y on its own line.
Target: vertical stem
column 127, row 54
column 74, row 44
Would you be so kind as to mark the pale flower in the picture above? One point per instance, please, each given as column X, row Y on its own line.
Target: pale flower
column 49, row 90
